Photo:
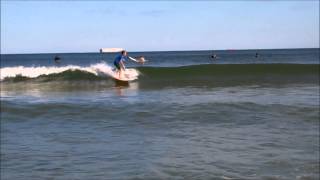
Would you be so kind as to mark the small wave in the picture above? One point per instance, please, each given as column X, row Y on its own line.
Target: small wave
column 95, row 71
column 232, row 69
column 217, row 74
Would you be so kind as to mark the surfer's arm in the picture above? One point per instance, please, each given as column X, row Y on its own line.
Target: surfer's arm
column 133, row 59
column 140, row 59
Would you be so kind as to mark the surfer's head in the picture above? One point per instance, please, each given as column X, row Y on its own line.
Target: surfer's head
column 124, row 53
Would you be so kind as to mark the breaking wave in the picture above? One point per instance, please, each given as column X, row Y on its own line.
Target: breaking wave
column 95, row 71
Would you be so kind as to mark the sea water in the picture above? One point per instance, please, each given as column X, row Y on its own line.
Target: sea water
column 187, row 116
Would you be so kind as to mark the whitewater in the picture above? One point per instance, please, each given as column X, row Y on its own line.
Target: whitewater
column 100, row 69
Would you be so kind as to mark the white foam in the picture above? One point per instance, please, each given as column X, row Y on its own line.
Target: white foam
column 100, row 69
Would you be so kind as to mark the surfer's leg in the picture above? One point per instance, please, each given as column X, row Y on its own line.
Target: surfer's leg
column 118, row 68
column 122, row 68
column 119, row 73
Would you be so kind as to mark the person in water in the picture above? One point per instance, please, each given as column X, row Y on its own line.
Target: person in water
column 57, row 59
column 214, row 56
column 120, row 59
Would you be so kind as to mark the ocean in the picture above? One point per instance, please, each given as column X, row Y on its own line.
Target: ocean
column 187, row 116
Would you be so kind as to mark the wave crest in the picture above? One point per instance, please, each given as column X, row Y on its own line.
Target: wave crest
column 96, row 70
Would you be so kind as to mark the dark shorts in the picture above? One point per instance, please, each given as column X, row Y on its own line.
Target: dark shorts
column 117, row 65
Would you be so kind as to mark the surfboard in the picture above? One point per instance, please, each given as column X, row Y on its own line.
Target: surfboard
column 126, row 76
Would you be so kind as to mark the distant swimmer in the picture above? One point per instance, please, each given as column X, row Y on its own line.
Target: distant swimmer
column 57, row 59
column 257, row 55
column 119, row 61
column 214, row 56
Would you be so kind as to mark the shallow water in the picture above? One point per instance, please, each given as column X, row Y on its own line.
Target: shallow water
column 237, row 132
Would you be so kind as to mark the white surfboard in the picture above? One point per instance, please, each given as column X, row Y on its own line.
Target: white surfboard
column 127, row 75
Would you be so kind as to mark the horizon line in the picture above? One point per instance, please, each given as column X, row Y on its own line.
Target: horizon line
column 163, row 51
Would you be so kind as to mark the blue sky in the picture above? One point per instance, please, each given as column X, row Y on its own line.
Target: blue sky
column 86, row 26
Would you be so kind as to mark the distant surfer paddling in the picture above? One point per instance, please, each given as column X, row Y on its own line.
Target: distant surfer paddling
column 120, row 59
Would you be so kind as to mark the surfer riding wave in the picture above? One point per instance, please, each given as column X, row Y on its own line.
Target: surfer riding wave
column 120, row 59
